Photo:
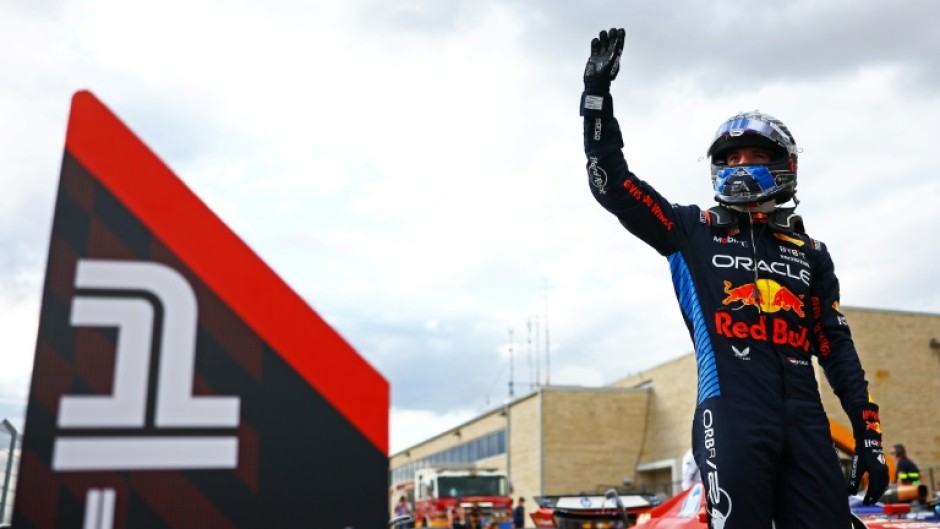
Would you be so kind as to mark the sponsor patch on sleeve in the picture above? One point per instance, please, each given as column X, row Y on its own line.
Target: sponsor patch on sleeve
column 594, row 102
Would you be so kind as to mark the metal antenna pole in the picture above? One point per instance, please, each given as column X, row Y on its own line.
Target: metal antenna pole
column 538, row 360
column 548, row 343
column 528, row 325
column 511, row 373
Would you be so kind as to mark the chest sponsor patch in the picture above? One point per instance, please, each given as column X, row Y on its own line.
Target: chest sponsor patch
column 779, row 332
column 739, row 262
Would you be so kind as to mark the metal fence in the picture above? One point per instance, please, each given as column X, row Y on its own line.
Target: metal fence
column 9, row 459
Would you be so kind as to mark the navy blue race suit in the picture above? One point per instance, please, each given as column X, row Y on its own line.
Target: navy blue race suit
column 757, row 313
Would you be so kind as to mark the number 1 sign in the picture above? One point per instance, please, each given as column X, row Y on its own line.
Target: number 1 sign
column 178, row 381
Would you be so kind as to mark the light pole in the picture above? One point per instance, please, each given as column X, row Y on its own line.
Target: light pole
column 6, row 477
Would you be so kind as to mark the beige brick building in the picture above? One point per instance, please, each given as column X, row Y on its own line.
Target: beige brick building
column 634, row 432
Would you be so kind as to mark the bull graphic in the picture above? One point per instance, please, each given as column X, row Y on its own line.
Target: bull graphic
column 766, row 294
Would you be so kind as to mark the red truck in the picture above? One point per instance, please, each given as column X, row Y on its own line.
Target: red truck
column 440, row 489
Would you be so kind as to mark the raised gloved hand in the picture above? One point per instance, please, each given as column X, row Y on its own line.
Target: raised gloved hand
column 869, row 455
column 604, row 63
column 602, row 68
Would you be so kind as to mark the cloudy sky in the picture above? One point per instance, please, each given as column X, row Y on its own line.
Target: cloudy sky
column 414, row 169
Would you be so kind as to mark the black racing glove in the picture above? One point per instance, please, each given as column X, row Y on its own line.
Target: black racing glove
column 602, row 68
column 869, row 456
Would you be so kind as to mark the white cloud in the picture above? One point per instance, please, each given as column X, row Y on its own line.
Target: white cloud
column 18, row 326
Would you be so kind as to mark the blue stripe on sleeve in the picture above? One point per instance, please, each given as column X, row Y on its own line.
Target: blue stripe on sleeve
column 704, row 353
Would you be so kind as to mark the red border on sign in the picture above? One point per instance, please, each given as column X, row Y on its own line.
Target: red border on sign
column 175, row 215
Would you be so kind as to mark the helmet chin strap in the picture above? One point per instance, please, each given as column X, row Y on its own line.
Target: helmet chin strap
column 756, row 207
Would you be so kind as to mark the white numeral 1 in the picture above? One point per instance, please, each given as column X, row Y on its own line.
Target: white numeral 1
column 175, row 404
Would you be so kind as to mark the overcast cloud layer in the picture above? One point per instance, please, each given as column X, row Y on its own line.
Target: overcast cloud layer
column 414, row 169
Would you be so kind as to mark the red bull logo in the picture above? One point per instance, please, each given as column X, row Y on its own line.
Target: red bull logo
column 766, row 293
column 872, row 421
column 780, row 332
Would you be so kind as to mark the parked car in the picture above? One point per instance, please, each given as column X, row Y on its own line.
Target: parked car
column 585, row 511
column 686, row 510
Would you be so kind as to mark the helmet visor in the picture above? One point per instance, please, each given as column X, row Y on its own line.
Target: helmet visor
column 745, row 183
column 739, row 126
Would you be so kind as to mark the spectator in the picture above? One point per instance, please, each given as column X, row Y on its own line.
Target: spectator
column 457, row 516
column 475, row 519
column 403, row 508
column 518, row 514
column 906, row 472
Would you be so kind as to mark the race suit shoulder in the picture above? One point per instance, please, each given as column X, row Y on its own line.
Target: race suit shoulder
column 758, row 302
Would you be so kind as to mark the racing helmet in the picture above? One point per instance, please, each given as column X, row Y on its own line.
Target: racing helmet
column 744, row 184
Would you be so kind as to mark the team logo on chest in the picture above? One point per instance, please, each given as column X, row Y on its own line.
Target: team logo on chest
column 767, row 294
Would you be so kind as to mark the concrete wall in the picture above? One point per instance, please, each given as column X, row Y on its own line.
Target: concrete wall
column 525, row 448
column 674, row 388
column 592, row 438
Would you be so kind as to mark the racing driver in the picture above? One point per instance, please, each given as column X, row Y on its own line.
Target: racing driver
column 760, row 299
